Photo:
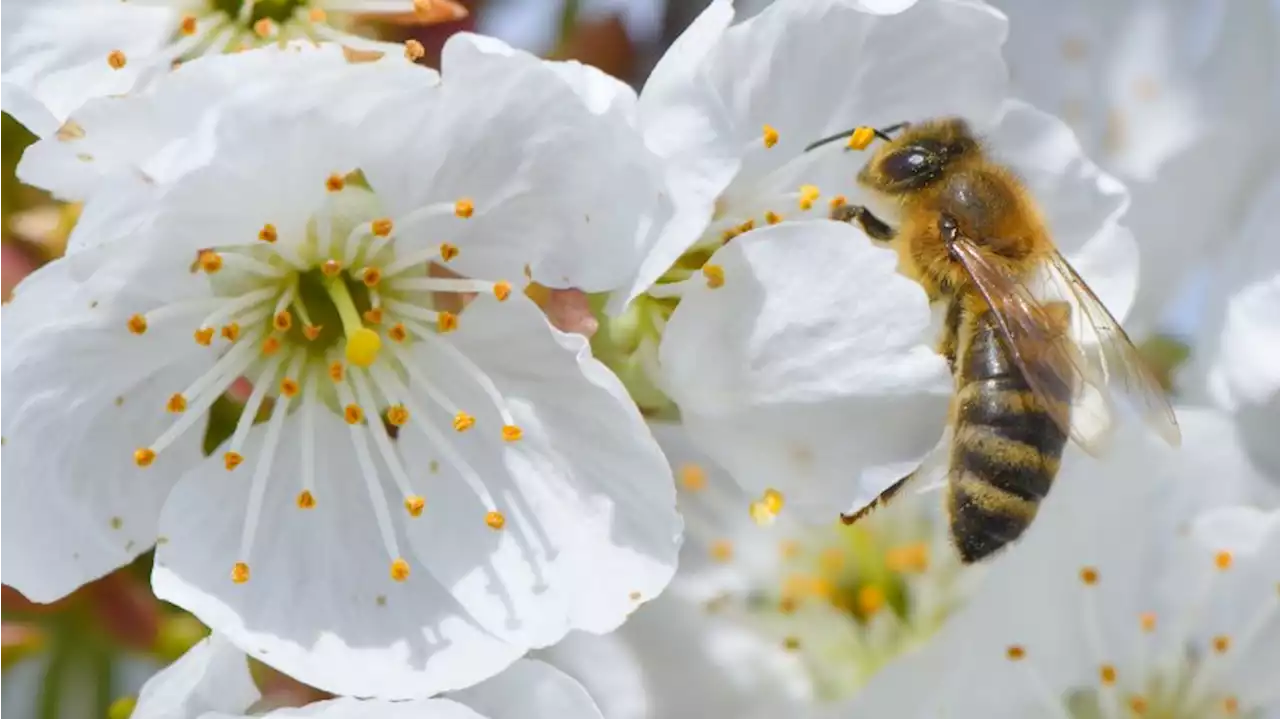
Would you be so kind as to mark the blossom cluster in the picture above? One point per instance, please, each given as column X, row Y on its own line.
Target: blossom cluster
column 546, row 396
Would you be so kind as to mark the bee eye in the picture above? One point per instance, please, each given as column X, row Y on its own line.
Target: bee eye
column 909, row 163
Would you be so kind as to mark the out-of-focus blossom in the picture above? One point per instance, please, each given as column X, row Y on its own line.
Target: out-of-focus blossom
column 434, row 479
column 213, row 680
column 1115, row 604
column 1175, row 97
column 60, row 53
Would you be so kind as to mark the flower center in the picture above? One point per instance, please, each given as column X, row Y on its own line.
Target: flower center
column 346, row 319
column 250, row 12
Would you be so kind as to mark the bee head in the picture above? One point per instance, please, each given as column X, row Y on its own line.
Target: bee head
column 918, row 156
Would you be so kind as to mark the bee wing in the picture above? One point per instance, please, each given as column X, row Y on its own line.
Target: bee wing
column 1070, row 387
column 1123, row 368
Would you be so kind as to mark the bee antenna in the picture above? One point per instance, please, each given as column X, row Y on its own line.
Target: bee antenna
column 830, row 139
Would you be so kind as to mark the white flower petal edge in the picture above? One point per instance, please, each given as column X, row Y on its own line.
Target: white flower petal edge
column 212, row 681
column 811, row 369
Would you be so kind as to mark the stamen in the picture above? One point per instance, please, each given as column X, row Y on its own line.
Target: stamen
column 204, row 336
column 808, row 195
column 363, row 344
column 382, row 227
column 243, row 303
column 722, row 550
column 397, row 415
column 310, row 400
column 268, row 233
column 495, row 520
column 210, row 261
column 264, row 28
column 446, row 322
column 372, row 484
column 334, row 183
column 264, row 381
column 231, row 332
column 871, row 599
column 336, row 371
column 464, row 208
column 445, row 284
column 399, row 570
column 381, row 439
column 331, row 268
column 714, row 275
column 240, row 573
column 116, row 59
column 463, row 422
column 1222, row 560
column 511, row 433
column 373, row 315
column 282, row 321
column 772, row 217
column 397, row 333
column 770, row 136
column 189, row 25
column 353, row 414
column 502, row 290
column 404, row 262
column 448, row 251
column 371, row 276
column 414, row 505
column 137, row 324
column 177, row 404
column 238, row 261
column 470, row 369
column 692, row 476
column 258, row 483
column 306, row 500
column 144, row 456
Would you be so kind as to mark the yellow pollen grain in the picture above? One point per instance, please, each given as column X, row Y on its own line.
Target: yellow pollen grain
column 397, row 333
column 373, row 315
column 1221, row 643
column 1089, row 575
column 870, row 600
column 240, row 573
column 808, row 195
column 1147, row 621
column 210, row 261
column 189, row 25
column 413, row 50
column 464, row 208
column 463, row 422
column 1015, row 653
column 116, row 59
column 305, row 500
column 722, row 550
column 289, row 387
column 495, row 520
column 413, row 504
column 137, row 324
column 177, row 404
column 1230, row 706
column 204, row 336
column 382, row 226
column 371, row 276
column 231, row 460
column 511, row 433
column 446, row 322
column 770, row 136
column 264, row 28
column 334, row 183
column 1138, row 704
column 353, row 414
column 502, row 290
column 908, row 558
column 270, row 346
column 861, row 138
column 363, row 346
column 312, row 332
column 772, row 217
column 397, row 415
column 714, row 275
column 399, row 570
column 282, row 321
column 1222, row 560
column 1107, row 674
column 692, row 476
column 231, row 331
column 144, row 456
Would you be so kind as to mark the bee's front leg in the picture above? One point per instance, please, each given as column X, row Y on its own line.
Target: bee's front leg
column 876, row 228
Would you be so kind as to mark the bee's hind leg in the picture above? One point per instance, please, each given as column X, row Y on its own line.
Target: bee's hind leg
column 876, row 228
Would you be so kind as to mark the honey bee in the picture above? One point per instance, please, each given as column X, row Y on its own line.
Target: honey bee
column 971, row 234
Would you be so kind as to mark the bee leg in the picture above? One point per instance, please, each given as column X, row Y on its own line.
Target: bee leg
column 880, row 499
column 876, row 228
column 950, row 338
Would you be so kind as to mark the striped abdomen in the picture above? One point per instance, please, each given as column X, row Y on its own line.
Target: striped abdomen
column 1006, row 449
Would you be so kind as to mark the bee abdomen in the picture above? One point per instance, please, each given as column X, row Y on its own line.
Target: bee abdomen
column 984, row 517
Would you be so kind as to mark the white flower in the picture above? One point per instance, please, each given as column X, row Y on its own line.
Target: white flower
column 444, row 480
column 60, row 53
column 1177, row 99
column 212, row 681
column 1114, row 604
column 797, row 357
column 771, row 620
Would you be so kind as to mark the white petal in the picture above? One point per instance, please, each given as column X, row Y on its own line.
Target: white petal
column 320, row 604
column 811, row 369
column 588, row 497
column 351, row 708
column 529, row 689
column 55, row 54
column 212, row 676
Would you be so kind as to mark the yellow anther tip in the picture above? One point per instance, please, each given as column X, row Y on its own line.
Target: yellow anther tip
column 337, row 371
column 414, row 505
column 761, row 515
column 397, row 415
column 363, row 346
column 722, row 550
column 463, row 422
column 306, row 500
column 144, row 456
column 268, row 233
column 289, row 387
column 774, row 500
column 861, row 138
column 210, row 261
column 446, row 322
column 448, row 251
column 870, row 599
column 312, row 332
column 334, row 183
column 714, row 275
column 137, row 324
column 371, row 276
column 1089, row 575
column 502, row 290
column 495, row 520
column 282, row 321
column 397, row 333
column 189, row 24
column 399, row 570
column 331, row 268
column 204, row 336
column 770, row 136
column 177, row 404
column 353, row 414
column 1015, row 652
column 1222, row 560
column 511, row 433
column 1107, row 674
column 382, row 227
column 464, row 208
column 231, row 460
column 117, row 60
column 240, row 573
column 413, row 50
column 693, row 477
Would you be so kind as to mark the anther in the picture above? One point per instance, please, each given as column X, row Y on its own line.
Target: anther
column 760, row 514
column 382, row 226
column 397, row 415
column 1147, row 621
column 263, row 28
column 446, row 322
column 722, row 550
column 448, row 251
column 837, row 202
column 231, row 331
column 399, row 570
column 870, row 600
column 331, row 268
column 289, row 387
column 1222, row 560
column 268, row 233
column 634, row 596
column 714, row 275
column 240, row 573
column 511, row 433
column 336, row 371
column 861, row 138
column 692, row 476
column 808, row 195
column 306, row 500
column 231, row 460
column 312, row 332
column 495, row 520
column 774, row 500
column 1221, row 643
column 189, row 25
column 1107, row 673
column 177, row 404
column 137, row 324
column 210, row 261
column 463, row 422
column 770, row 136
column 317, row 14
column 371, row 276
column 1138, row 704
column 464, row 208
column 414, row 505
column 204, row 336
column 282, row 321
column 362, row 347
column 144, row 456
column 1230, row 706
column 116, row 59
column 397, row 333
column 334, row 183
column 413, row 50
column 1015, row 653
column 772, row 217
column 353, row 414
column 502, row 290
column 908, row 558
column 788, row 605
column 1089, row 575
column 270, row 346
column 373, row 315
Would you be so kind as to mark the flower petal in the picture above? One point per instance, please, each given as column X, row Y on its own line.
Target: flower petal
column 212, row 676
column 810, row 369
column 591, row 526
column 529, row 689
column 320, row 605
